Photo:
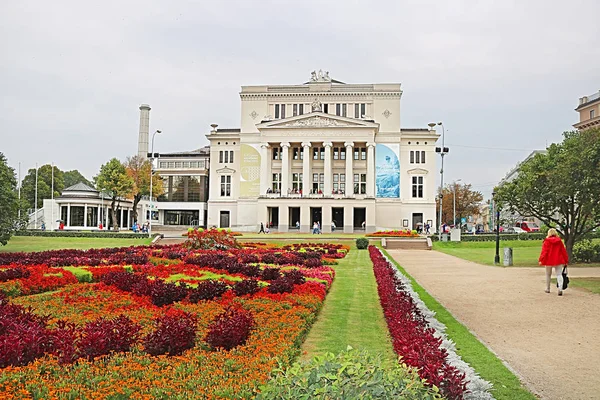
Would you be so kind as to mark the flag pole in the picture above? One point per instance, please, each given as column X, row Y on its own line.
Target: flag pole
column 36, row 187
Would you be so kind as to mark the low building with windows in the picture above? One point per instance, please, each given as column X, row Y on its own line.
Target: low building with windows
column 589, row 111
column 321, row 152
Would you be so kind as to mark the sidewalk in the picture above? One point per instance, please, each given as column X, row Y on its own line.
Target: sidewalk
column 553, row 343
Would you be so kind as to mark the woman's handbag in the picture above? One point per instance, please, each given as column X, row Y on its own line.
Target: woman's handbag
column 565, row 278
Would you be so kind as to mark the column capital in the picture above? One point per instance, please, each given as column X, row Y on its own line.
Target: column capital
column 284, row 144
column 264, row 145
column 327, row 144
column 306, row 144
column 371, row 144
column 349, row 144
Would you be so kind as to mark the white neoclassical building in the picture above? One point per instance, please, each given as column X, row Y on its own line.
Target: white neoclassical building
column 323, row 151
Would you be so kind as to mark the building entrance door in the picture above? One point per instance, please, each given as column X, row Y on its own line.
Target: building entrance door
column 224, row 219
column 337, row 217
column 315, row 216
column 417, row 221
column 360, row 217
column 272, row 217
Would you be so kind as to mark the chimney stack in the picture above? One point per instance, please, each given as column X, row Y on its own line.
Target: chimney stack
column 144, row 131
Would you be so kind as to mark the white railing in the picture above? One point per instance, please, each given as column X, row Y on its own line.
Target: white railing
column 36, row 216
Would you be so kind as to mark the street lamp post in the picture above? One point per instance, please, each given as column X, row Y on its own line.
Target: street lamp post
column 497, row 256
column 151, row 176
column 443, row 151
column 454, row 203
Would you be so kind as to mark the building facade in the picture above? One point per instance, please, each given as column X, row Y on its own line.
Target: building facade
column 321, row 152
column 589, row 111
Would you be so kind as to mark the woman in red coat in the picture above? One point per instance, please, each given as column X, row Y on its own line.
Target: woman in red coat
column 554, row 255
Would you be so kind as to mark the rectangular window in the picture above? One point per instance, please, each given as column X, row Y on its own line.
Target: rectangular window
column 315, row 177
column 226, row 156
column 294, row 110
column 360, row 183
column 360, row 109
column 344, row 108
column 592, row 113
column 342, row 153
column 315, row 153
column 171, row 164
column 356, row 153
column 276, row 111
column 363, row 153
column 412, row 156
column 321, row 177
column 417, row 157
column 338, row 109
column 283, row 111
column 302, row 153
column 230, row 156
column 178, row 164
column 276, row 186
column 297, row 182
column 322, row 153
column 186, row 164
column 221, row 156
column 336, row 153
column 417, row 187
column 423, row 157
column 296, row 153
column 300, row 109
column 277, row 152
column 356, row 110
column 163, row 164
column 225, row 185
column 326, row 108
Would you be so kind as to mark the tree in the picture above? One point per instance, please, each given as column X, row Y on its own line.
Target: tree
column 561, row 188
column 113, row 179
column 9, row 203
column 73, row 177
column 138, row 169
column 467, row 202
column 44, row 185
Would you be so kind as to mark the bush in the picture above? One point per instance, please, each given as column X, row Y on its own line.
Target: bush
column 207, row 290
column 281, row 285
column 349, row 375
column 362, row 243
column 586, row 251
column 295, row 276
column 230, row 329
column 247, row 286
column 103, row 234
column 270, row 274
column 164, row 293
column 175, row 332
column 103, row 336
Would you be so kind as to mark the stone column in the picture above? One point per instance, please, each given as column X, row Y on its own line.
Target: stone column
column 264, row 168
column 370, row 169
column 326, row 216
column 85, row 215
column 305, row 226
column 285, row 168
column 98, row 217
column 306, row 169
column 327, row 169
column 68, row 214
column 348, row 219
column 284, row 218
column 349, row 171
column 121, row 223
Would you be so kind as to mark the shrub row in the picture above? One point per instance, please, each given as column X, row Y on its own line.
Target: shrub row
column 103, row 234
column 92, row 257
column 486, row 237
column 412, row 339
column 586, row 251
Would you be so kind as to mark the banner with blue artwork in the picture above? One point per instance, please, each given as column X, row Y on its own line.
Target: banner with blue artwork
column 387, row 169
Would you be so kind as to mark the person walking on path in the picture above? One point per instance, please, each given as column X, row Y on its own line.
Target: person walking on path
column 262, row 228
column 553, row 256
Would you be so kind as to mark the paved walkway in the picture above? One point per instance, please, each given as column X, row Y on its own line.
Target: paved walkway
column 553, row 343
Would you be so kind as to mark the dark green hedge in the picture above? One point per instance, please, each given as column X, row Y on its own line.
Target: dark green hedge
column 105, row 234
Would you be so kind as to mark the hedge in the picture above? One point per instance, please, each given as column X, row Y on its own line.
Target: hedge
column 492, row 237
column 107, row 234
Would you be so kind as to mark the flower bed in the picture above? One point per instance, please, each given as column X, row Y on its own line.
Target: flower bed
column 419, row 338
column 394, row 233
column 213, row 324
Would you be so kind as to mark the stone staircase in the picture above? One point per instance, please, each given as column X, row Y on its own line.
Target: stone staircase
column 406, row 244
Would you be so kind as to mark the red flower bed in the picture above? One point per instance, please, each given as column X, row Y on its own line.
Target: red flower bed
column 394, row 233
column 411, row 338
column 37, row 279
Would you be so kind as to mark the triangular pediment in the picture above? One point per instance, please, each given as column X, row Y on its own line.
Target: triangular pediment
column 317, row 120
column 417, row 171
column 225, row 170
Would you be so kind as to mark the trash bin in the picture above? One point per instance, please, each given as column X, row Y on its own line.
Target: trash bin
column 508, row 256
column 444, row 237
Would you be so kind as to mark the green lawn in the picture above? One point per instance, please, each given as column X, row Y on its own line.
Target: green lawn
column 330, row 237
column 591, row 284
column 352, row 314
column 35, row 243
column 506, row 385
column 525, row 252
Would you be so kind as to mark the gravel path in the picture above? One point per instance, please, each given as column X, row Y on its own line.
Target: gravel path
column 551, row 342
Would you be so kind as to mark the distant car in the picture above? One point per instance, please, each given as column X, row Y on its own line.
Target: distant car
column 528, row 226
column 513, row 229
column 516, row 229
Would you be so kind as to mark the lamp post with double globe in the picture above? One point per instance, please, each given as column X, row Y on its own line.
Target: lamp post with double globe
column 497, row 256
column 443, row 151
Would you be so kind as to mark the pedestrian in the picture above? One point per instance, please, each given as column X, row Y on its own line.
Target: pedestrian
column 43, row 226
column 319, row 227
column 262, row 228
column 427, row 229
column 333, row 226
column 553, row 256
column 315, row 228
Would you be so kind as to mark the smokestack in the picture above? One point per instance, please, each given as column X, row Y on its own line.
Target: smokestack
column 144, row 131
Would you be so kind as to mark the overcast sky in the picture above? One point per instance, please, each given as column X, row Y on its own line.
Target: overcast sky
column 504, row 76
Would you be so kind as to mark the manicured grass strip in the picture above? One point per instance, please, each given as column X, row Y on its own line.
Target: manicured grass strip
column 525, row 252
column 352, row 314
column 590, row 284
column 35, row 243
column 506, row 385
column 81, row 274
column 206, row 275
